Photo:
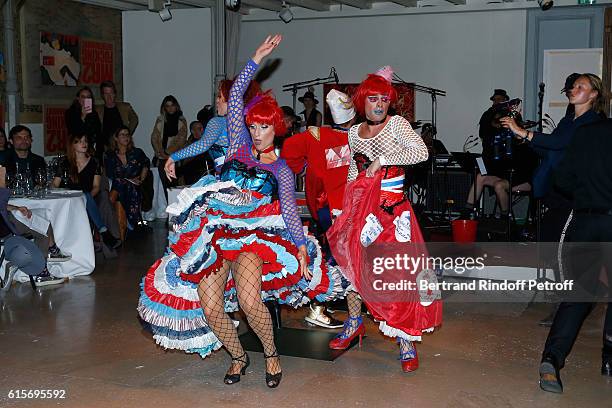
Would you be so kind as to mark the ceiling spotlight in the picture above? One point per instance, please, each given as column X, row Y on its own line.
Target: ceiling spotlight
column 232, row 5
column 545, row 4
column 164, row 13
column 285, row 14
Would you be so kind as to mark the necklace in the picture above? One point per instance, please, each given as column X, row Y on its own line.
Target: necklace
column 264, row 151
column 375, row 122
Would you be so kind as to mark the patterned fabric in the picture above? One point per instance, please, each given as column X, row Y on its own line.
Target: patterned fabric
column 130, row 195
column 217, row 221
column 241, row 149
column 396, row 144
column 254, row 179
column 215, row 140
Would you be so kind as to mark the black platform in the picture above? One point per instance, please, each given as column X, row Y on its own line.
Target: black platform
column 304, row 343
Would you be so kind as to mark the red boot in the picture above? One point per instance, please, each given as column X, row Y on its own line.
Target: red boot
column 409, row 358
column 342, row 340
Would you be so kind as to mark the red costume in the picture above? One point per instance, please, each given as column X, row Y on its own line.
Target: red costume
column 327, row 153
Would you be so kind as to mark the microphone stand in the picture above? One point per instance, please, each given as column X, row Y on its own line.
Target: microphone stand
column 540, row 272
column 295, row 86
column 433, row 93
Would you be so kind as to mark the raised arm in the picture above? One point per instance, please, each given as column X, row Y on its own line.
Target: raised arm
column 212, row 133
column 236, row 128
column 237, row 131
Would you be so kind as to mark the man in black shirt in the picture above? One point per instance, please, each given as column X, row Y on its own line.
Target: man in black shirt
column 21, row 160
column 113, row 115
column 585, row 177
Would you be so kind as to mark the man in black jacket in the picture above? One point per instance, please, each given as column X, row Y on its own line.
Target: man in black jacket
column 584, row 176
column 21, row 160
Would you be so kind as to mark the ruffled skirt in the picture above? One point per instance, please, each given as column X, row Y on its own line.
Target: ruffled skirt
column 216, row 221
column 405, row 313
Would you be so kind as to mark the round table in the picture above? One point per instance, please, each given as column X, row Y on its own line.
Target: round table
column 66, row 212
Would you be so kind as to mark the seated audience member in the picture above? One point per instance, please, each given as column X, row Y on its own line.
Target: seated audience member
column 205, row 114
column 9, row 225
column 20, row 160
column 502, row 160
column 81, row 171
column 127, row 167
column 169, row 135
column 81, row 119
column 5, row 147
column 194, row 168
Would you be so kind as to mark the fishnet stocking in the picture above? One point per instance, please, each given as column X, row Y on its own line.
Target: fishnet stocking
column 397, row 142
column 211, row 291
column 247, row 276
column 407, row 350
column 353, row 302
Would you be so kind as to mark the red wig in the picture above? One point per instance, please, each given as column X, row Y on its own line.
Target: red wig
column 372, row 85
column 226, row 84
column 265, row 110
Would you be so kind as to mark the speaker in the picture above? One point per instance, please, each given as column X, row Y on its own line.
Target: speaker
column 448, row 188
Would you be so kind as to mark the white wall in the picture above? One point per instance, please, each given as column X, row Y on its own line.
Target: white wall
column 160, row 59
column 467, row 54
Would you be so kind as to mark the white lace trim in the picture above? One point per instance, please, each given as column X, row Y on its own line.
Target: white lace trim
column 394, row 332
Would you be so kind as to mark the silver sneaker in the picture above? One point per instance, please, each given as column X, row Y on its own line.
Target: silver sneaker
column 319, row 317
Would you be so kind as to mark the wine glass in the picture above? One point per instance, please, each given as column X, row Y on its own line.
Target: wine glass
column 40, row 182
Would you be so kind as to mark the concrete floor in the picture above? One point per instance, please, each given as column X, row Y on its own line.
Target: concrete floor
column 84, row 337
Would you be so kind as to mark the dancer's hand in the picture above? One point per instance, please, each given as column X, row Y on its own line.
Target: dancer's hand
column 302, row 256
column 266, row 47
column 373, row 168
column 169, row 168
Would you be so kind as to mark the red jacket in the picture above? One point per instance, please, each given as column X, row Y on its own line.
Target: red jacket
column 327, row 154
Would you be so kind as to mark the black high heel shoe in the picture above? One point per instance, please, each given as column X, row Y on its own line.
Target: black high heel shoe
column 234, row 378
column 273, row 380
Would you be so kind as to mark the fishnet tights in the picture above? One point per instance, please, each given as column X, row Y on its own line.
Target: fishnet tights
column 354, row 310
column 247, row 276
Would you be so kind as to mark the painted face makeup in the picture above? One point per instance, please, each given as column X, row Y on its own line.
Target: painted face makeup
column 376, row 107
column 262, row 135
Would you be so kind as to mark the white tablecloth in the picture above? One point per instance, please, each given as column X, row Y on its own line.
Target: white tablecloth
column 68, row 218
column 159, row 199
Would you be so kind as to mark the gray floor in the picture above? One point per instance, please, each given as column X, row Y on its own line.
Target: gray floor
column 84, row 337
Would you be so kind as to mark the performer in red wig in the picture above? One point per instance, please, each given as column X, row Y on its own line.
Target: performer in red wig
column 235, row 242
column 325, row 154
column 376, row 211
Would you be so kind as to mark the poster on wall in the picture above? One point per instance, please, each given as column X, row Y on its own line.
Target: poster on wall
column 96, row 62
column 404, row 106
column 54, row 129
column 59, row 59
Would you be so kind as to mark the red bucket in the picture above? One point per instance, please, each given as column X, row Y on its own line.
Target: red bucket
column 464, row 230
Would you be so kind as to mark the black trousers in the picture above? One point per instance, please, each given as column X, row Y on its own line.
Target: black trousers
column 584, row 263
